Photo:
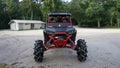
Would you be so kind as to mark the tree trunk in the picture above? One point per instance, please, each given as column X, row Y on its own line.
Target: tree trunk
column 118, row 22
column 111, row 21
column 98, row 23
column 32, row 15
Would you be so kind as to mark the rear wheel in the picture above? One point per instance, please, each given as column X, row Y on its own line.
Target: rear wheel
column 81, row 49
column 38, row 51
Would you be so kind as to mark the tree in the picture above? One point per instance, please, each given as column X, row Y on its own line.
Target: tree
column 118, row 12
column 112, row 13
column 95, row 11
column 12, row 7
column 77, row 8
column 110, row 6
column 30, row 10
column 51, row 6
column 3, row 16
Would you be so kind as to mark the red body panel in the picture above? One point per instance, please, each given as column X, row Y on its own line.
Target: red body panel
column 59, row 43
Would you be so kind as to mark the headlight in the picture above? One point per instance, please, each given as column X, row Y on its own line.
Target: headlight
column 50, row 32
column 71, row 32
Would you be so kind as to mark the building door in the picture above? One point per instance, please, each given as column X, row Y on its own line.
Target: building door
column 32, row 26
column 20, row 26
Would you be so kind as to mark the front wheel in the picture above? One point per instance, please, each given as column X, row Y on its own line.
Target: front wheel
column 38, row 50
column 81, row 49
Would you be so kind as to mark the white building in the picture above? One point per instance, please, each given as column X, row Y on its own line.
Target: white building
column 26, row 24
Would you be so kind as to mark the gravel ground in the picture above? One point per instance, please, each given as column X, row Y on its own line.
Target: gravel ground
column 16, row 48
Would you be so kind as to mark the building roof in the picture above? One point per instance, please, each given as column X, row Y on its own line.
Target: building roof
column 50, row 14
column 25, row 21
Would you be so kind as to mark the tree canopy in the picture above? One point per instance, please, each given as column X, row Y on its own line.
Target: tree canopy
column 85, row 13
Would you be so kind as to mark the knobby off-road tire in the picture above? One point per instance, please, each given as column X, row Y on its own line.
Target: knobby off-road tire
column 38, row 50
column 81, row 49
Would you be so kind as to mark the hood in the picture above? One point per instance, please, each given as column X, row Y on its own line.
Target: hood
column 65, row 25
column 60, row 29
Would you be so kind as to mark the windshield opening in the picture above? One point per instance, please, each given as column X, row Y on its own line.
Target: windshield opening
column 59, row 19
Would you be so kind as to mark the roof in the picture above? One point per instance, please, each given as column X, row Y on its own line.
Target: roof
column 59, row 14
column 25, row 21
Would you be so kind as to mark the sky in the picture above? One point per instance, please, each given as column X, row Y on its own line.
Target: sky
column 67, row 0
column 63, row 0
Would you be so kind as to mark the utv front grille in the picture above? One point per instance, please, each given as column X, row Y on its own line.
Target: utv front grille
column 60, row 37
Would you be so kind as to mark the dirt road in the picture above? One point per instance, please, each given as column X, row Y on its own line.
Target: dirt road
column 16, row 48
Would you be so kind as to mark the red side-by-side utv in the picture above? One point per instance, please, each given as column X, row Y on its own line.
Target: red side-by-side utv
column 59, row 33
